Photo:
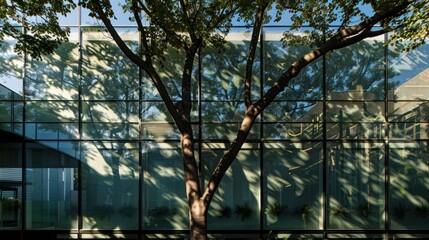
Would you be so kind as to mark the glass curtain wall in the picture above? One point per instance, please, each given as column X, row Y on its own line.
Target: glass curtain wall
column 87, row 144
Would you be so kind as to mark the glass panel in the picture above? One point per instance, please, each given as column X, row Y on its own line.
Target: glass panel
column 223, row 71
column 118, row 111
column 409, row 130
column 293, row 130
column 5, row 93
column 415, row 111
column 278, row 58
column 71, row 19
column 51, row 188
column 355, row 185
column 237, row 199
column 170, row 71
column 155, row 111
column 355, row 130
column 293, row 120
column 6, row 112
column 51, row 111
column 408, row 73
column 221, row 120
column 409, row 185
column 163, row 131
column 10, row 185
column 110, row 176
column 107, row 72
column 294, row 111
column 365, row 112
column 231, row 111
column 293, row 185
column 52, row 131
column 357, row 72
column 227, row 131
column 11, row 65
column 121, row 18
column 164, row 196
column 111, row 131
column 54, row 77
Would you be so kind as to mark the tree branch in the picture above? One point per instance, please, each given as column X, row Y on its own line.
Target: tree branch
column 222, row 17
column 144, row 39
column 341, row 39
column 171, row 33
column 188, row 22
column 96, row 7
column 251, row 54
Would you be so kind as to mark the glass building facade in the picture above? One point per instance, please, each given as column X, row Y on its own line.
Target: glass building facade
column 88, row 149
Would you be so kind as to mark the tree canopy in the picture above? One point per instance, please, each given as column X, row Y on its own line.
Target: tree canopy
column 186, row 27
column 42, row 32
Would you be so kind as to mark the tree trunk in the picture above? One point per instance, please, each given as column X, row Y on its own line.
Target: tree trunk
column 198, row 220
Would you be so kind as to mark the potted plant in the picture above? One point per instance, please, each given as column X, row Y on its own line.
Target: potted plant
column 364, row 210
column 224, row 212
column 159, row 212
column 304, row 213
column 244, row 211
column 339, row 211
column 274, row 211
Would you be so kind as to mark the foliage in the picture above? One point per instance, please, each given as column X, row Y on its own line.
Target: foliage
column 42, row 32
column 339, row 211
column 244, row 211
column 414, row 26
column 224, row 212
column 364, row 209
column 276, row 210
column 189, row 26
column 304, row 212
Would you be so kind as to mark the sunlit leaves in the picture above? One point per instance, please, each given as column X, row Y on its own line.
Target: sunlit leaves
column 42, row 33
column 414, row 26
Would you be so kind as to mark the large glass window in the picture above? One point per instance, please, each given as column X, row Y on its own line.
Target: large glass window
column 355, row 185
column 293, row 185
column 51, row 185
column 164, row 196
column 355, row 120
column 222, row 86
column 409, row 188
column 110, row 176
column 278, row 57
column 318, row 158
column 10, row 184
column 408, row 73
column 294, row 120
column 237, row 198
column 357, row 72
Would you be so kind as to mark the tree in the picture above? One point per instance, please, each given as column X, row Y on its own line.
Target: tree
column 187, row 26
column 42, row 32
column 190, row 25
